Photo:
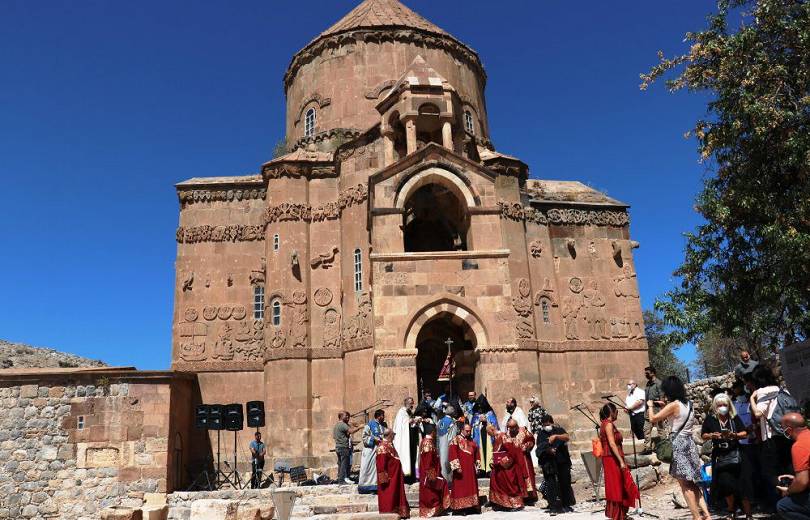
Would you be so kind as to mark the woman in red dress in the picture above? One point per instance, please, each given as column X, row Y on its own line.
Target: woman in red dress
column 620, row 492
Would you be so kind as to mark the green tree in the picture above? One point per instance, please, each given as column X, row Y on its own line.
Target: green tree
column 746, row 271
column 662, row 353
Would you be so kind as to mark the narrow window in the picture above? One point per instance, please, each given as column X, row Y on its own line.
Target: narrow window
column 275, row 242
column 258, row 302
column 358, row 271
column 309, row 123
column 276, row 306
column 544, row 306
column 80, row 422
column 468, row 122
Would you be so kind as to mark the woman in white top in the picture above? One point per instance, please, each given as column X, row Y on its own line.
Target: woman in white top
column 775, row 447
column 685, row 466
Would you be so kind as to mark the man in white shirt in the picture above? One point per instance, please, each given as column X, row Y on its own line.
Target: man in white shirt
column 513, row 411
column 635, row 403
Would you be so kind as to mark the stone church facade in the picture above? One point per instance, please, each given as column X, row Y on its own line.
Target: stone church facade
column 336, row 275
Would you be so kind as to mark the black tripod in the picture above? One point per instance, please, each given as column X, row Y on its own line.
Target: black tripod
column 639, row 509
column 233, row 478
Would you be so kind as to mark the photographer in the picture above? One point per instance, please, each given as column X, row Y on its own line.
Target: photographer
column 731, row 475
column 795, row 488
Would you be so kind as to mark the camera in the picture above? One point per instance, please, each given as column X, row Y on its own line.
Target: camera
column 784, row 481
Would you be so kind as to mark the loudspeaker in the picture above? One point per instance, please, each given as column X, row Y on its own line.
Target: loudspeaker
column 255, row 414
column 201, row 416
column 215, row 413
column 234, row 417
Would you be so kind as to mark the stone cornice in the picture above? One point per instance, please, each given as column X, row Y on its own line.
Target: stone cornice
column 293, row 211
column 564, row 216
column 218, row 366
column 191, row 196
column 586, row 345
column 399, row 353
column 334, row 133
column 303, row 353
column 386, row 34
column 231, row 233
column 295, row 170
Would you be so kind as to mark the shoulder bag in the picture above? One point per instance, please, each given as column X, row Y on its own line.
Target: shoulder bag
column 663, row 449
column 731, row 458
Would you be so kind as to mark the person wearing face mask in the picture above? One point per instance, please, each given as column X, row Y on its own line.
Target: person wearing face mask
column 795, row 488
column 731, row 473
column 636, row 405
column 555, row 462
column 655, row 400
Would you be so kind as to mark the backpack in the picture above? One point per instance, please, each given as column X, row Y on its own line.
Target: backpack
column 785, row 403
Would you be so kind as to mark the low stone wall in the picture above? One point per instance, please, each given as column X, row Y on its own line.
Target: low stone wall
column 700, row 393
column 72, row 444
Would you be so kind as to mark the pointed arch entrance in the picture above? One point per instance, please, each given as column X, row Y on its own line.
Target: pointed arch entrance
column 429, row 335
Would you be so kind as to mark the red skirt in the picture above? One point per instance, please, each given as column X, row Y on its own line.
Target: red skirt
column 621, row 492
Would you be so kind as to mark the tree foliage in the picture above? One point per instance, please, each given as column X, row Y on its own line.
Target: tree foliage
column 746, row 271
column 662, row 353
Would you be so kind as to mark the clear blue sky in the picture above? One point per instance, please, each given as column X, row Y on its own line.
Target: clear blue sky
column 104, row 105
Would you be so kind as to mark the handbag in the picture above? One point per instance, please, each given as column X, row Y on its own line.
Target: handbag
column 596, row 447
column 732, row 457
column 663, row 450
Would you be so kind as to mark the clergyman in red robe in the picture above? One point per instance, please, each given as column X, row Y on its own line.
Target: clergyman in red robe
column 391, row 496
column 507, row 484
column 463, row 456
column 434, row 497
column 525, row 441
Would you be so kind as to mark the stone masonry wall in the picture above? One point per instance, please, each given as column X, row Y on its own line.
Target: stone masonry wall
column 69, row 450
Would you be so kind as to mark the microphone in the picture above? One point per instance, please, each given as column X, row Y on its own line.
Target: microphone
column 608, row 396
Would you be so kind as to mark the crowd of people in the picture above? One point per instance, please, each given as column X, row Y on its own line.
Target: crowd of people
column 447, row 444
column 760, row 450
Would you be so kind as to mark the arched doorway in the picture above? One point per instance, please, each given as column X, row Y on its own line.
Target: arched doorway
column 432, row 346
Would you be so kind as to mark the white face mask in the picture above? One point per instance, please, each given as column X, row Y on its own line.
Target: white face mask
column 548, row 428
column 722, row 410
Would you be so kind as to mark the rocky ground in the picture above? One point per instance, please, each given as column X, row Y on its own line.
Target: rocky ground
column 19, row 355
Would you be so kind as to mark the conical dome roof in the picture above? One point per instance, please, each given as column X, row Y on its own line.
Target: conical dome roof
column 382, row 13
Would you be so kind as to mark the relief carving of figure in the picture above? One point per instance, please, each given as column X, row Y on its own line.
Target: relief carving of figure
column 572, row 304
column 595, row 313
column 522, row 303
column 359, row 325
column 331, row 328
column 223, row 347
column 325, row 260
column 625, row 283
column 298, row 328
column 188, row 281
column 536, row 248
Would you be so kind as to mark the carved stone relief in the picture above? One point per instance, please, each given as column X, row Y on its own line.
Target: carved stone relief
column 359, row 325
column 194, row 196
column 192, row 341
column 560, row 216
column 571, row 306
column 325, row 260
column 287, row 211
column 625, row 284
column 297, row 329
column 524, row 329
column 322, row 296
column 536, row 248
column 232, row 233
column 191, row 314
column 331, row 328
column 592, row 250
column 595, row 311
column 188, row 281
column 522, row 304
column 239, row 312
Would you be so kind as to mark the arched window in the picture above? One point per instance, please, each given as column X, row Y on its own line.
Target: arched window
column 309, row 123
column 468, row 122
column 544, row 307
column 358, row 270
column 435, row 220
column 258, row 302
column 276, row 312
column 275, row 242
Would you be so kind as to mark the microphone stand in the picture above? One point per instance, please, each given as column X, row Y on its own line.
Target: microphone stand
column 589, row 415
column 639, row 509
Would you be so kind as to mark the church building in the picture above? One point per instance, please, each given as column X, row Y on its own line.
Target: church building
column 389, row 231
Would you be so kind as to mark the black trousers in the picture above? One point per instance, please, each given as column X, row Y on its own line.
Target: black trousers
column 343, row 456
column 774, row 457
column 557, row 477
column 637, row 425
column 256, row 474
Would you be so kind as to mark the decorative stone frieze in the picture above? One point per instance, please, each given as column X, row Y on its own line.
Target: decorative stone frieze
column 564, row 216
column 291, row 211
column 220, row 195
column 231, row 233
